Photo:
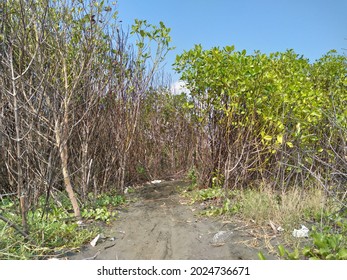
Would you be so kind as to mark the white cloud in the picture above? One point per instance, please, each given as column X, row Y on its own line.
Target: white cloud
column 178, row 87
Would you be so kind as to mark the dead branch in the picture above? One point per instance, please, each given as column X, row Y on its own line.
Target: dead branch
column 17, row 228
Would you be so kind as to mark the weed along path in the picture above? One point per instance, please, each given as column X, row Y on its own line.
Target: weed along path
column 161, row 225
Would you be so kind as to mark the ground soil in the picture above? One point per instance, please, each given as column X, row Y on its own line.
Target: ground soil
column 161, row 224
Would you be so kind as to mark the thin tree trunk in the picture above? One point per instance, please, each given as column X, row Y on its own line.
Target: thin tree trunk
column 61, row 136
column 20, row 182
column 85, row 162
column 63, row 152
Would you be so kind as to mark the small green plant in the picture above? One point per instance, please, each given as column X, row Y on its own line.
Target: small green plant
column 99, row 214
column 217, row 200
column 141, row 171
column 217, row 180
column 6, row 203
column 52, row 227
column 224, row 209
column 109, row 200
column 326, row 246
column 100, row 208
column 192, row 177
column 130, row 190
column 210, row 193
column 261, row 256
column 286, row 254
column 51, row 231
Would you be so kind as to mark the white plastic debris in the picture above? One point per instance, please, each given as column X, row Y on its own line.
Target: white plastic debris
column 156, row 181
column 95, row 240
column 303, row 232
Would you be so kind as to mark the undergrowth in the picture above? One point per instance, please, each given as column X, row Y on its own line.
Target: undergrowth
column 285, row 211
column 53, row 229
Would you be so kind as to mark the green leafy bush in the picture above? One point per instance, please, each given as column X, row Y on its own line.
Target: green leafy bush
column 276, row 113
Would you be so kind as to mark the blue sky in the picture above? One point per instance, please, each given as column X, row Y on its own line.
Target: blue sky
column 310, row 27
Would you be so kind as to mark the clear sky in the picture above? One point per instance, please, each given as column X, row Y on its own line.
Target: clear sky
column 310, row 27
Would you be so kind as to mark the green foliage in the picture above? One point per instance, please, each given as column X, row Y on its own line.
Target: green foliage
column 210, row 193
column 217, row 200
column 51, row 232
column 327, row 243
column 100, row 214
column 284, row 253
column 327, row 246
column 261, row 256
column 281, row 102
column 109, row 200
column 226, row 208
column 147, row 34
column 141, row 170
column 6, row 204
column 52, row 228
column 191, row 176
column 100, row 208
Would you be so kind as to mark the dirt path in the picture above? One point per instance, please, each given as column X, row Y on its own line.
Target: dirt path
column 160, row 225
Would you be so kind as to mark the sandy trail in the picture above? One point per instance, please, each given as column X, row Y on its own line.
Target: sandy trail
column 160, row 226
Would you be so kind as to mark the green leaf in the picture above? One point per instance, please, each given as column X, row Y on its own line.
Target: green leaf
column 342, row 254
column 261, row 256
column 281, row 251
column 267, row 137
column 229, row 48
column 306, row 251
column 279, row 139
column 290, row 144
column 296, row 254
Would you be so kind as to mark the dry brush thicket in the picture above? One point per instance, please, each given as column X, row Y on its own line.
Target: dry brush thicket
column 82, row 110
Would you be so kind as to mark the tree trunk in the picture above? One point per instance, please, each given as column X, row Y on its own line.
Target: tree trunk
column 62, row 136
column 20, row 181
column 63, row 152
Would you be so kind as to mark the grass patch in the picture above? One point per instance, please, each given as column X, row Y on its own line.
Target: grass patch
column 288, row 210
column 53, row 231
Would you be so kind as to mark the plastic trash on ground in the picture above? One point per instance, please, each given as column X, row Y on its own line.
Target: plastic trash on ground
column 95, row 240
column 303, row 232
column 156, row 181
column 99, row 237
